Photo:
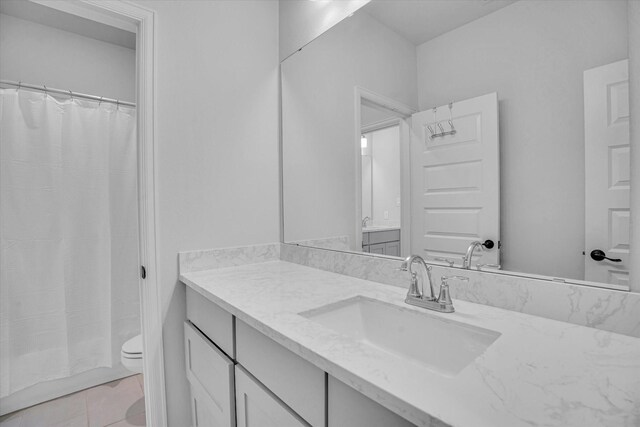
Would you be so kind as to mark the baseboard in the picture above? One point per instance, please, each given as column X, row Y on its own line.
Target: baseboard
column 53, row 389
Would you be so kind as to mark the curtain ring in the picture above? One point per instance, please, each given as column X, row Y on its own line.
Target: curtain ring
column 117, row 104
column 71, row 94
column 19, row 86
column 45, row 91
column 100, row 102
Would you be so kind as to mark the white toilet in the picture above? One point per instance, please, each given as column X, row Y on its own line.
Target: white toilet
column 131, row 354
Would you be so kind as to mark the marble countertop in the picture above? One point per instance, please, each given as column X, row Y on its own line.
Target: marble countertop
column 539, row 372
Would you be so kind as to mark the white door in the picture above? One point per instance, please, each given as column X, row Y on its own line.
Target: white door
column 607, row 168
column 455, row 181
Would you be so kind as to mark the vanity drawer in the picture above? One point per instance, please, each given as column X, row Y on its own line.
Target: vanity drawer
column 211, row 376
column 384, row 236
column 258, row 407
column 295, row 381
column 213, row 321
column 348, row 407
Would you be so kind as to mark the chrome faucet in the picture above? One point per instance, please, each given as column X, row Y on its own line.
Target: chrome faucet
column 364, row 221
column 467, row 258
column 413, row 289
column 416, row 296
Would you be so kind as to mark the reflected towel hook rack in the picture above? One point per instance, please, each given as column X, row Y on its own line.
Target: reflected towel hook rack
column 439, row 126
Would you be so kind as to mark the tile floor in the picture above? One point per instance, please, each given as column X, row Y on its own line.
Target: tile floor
column 115, row 404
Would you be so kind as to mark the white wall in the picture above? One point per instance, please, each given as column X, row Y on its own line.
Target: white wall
column 318, row 120
column 367, row 175
column 385, row 145
column 302, row 21
column 533, row 53
column 41, row 55
column 216, row 146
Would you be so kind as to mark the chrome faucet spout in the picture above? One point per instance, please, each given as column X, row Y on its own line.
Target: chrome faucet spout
column 406, row 266
column 469, row 255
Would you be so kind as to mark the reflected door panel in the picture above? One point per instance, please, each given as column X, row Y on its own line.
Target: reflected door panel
column 455, row 180
column 607, row 169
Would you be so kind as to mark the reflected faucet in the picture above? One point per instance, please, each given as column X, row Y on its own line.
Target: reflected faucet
column 466, row 261
column 467, row 258
column 364, row 221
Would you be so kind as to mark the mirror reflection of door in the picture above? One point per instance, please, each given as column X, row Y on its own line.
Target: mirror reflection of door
column 455, row 181
column 381, row 180
column 607, row 172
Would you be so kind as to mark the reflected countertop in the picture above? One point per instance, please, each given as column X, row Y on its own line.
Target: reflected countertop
column 538, row 372
column 373, row 228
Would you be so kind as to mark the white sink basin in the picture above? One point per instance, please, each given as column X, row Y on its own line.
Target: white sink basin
column 441, row 345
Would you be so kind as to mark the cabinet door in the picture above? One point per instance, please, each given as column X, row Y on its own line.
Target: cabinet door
column 203, row 408
column 392, row 248
column 348, row 407
column 258, row 407
column 377, row 249
column 210, row 374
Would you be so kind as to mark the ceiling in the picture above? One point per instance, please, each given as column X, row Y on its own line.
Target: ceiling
column 422, row 20
column 51, row 17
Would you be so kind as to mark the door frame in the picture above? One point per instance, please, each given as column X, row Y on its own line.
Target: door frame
column 403, row 113
column 134, row 18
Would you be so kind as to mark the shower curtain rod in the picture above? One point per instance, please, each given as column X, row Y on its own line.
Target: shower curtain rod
column 69, row 93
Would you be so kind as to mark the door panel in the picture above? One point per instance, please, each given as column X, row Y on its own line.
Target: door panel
column 455, row 181
column 607, row 171
column 210, row 374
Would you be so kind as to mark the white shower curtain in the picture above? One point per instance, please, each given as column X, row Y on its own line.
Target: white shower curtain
column 68, row 236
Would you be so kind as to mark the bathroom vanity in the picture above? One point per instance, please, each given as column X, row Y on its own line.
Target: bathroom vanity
column 281, row 344
column 381, row 240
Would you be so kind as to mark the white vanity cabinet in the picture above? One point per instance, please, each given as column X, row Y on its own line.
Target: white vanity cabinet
column 239, row 375
column 259, row 407
column 273, row 386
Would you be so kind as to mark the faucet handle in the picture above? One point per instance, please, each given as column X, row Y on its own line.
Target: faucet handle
column 445, row 294
column 414, row 292
column 447, row 260
column 479, row 267
column 445, row 279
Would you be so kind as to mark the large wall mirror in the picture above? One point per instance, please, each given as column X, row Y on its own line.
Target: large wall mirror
column 420, row 127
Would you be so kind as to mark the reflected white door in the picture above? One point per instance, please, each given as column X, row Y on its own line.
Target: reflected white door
column 607, row 168
column 455, row 181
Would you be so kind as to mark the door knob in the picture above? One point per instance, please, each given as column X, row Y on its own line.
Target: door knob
column 488, row 244
column 598, row 255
